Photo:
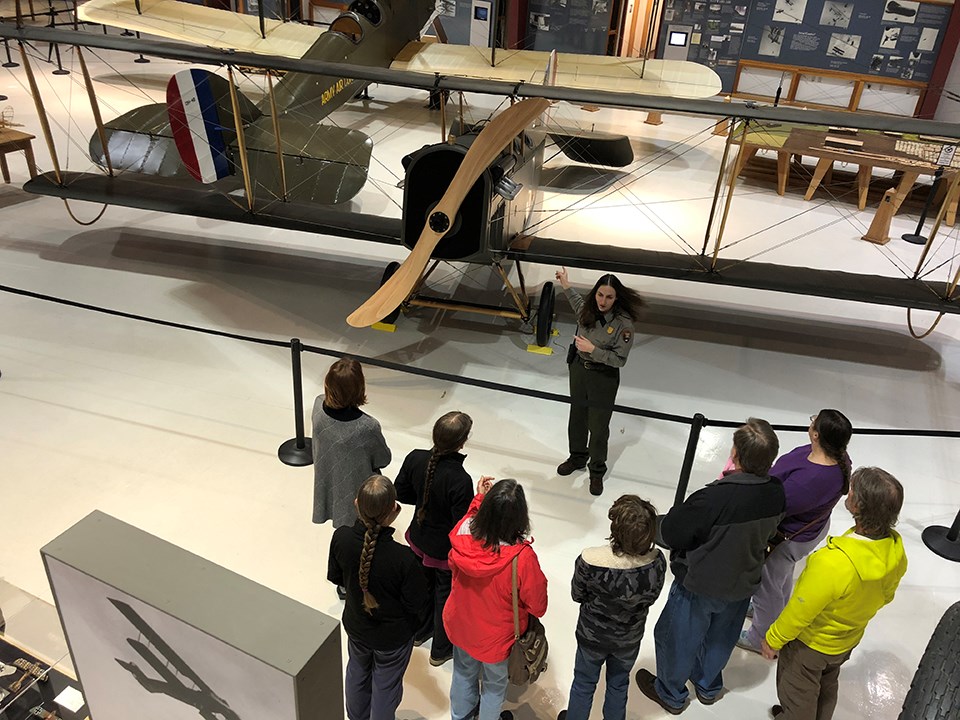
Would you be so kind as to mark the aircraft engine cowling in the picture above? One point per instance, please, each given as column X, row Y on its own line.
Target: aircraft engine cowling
column 486, row 221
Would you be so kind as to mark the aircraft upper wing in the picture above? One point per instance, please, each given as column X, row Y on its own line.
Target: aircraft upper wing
column 228, row 30
column 202, row 25
column 674, row 78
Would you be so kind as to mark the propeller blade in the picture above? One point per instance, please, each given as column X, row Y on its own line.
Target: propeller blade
column 495, row 136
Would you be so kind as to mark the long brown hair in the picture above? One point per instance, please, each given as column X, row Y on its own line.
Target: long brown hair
column 450, row 432
column 376, row 501
column 628, row 301
column 834, row 432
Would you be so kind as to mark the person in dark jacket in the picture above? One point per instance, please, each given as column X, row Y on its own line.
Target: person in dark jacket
column 615, row 585
column 385, row 603
column 436, row 483
column 718, row 539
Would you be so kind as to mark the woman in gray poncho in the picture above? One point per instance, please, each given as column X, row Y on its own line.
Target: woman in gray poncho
column 348, row 446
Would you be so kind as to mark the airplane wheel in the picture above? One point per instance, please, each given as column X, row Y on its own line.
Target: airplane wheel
column 935, row 691
column 545, row 314
column 388, row 272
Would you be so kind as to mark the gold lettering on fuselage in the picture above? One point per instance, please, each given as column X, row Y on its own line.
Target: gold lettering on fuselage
column 331, row 92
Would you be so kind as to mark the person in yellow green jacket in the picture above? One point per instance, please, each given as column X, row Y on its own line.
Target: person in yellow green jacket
column 842, row 587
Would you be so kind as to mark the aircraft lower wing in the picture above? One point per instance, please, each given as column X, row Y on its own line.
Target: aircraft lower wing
column 201, row 25
column 183, row 198
column 673, row 78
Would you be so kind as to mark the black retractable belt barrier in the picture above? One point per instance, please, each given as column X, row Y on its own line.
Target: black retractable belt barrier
column 297, row 451
column 688, row 456
column 945, row 542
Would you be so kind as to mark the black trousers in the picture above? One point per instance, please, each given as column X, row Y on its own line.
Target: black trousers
column 593, row 393
column 438, row 586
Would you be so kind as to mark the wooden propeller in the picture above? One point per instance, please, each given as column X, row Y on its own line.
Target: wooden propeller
column 495, row 136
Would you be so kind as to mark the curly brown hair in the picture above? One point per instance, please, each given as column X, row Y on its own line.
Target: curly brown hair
column 633, row 525
column 876, row 497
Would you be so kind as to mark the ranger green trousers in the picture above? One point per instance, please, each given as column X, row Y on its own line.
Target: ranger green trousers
column 593, row 393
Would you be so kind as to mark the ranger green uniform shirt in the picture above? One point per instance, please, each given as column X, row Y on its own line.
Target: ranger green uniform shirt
column 613, row 340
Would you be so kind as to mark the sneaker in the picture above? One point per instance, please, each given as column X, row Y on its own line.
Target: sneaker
column 437, row 662
column 704, row 700
column 745, row 644
column 418, row 641
column 776, row 710
column 569, row 466
column 645, row 681
column 596, row 484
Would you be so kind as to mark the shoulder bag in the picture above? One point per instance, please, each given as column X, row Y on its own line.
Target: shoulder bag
column 528, row 656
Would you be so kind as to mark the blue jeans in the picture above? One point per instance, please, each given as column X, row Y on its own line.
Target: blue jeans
column 586, row 673
column 694, row 638
column 373, row 686
column 474, row 683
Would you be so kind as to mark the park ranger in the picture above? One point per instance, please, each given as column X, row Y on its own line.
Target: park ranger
column 604, row 337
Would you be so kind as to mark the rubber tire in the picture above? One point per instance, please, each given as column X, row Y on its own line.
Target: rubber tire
column 388, row 272
column 935, row 691
column 545, row 314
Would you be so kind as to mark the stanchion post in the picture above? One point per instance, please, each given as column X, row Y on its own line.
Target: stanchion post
column 695, row 427
column 297, row 451
column 945, row 542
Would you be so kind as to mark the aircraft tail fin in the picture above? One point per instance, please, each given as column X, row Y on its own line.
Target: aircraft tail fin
column 201, row 118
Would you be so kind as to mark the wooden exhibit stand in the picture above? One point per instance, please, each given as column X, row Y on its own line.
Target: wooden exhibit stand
column 879, row 231
column 878, row 151
column 14, row 141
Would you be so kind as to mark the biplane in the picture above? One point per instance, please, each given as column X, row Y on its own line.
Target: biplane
column 466, row 198
column 176, row 678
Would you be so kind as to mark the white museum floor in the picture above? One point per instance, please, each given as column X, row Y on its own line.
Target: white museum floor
column 176, row 432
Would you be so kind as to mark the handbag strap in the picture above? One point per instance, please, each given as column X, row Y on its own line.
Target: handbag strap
column 810, row 524
column 516, row 608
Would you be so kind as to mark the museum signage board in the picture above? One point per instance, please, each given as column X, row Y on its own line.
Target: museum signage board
column 158, row 633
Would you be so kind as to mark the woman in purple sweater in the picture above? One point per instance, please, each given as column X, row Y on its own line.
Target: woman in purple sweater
column 814, row 477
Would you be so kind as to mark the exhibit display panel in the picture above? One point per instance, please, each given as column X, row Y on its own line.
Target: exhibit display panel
column 829, row 42
column 36, row 677
column 157, row 632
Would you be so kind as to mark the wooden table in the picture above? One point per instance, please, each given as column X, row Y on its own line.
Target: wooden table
column 14, row 141
column 879, row 150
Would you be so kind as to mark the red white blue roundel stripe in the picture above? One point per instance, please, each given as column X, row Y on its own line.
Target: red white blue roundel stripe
column 196, row 126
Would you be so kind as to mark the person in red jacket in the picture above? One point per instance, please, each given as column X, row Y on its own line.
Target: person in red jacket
column 478, row 616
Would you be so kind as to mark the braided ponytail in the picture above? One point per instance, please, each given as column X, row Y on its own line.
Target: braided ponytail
column 835, row 431
column 427, row 482
column 450, row 432
column 366, row 559
column 376, row 505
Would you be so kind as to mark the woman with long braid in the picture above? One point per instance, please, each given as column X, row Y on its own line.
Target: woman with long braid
column 385, row 603
column 435, row 482
column 814, row 478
